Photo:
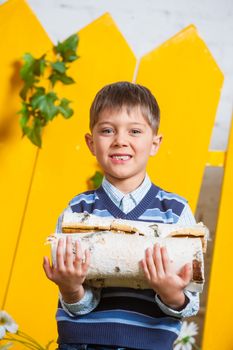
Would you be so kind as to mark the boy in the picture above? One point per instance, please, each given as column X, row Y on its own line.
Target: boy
column 124, row 121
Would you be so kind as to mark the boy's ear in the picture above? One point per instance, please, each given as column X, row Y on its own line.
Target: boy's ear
column 157, row 139
column 90, row 143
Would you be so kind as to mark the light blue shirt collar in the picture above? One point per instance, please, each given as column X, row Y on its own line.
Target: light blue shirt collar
column 132, row 199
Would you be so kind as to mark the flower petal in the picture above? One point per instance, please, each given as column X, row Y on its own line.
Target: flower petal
column 178, row 346
column 188, row 346
column 2, row 332
column 192, row 329
column 191, row 340
column 12, row 328
column 7, row 322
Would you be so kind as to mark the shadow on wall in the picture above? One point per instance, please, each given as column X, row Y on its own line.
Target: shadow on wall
column 8, row 127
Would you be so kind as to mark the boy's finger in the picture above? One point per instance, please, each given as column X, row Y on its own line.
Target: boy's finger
column 47, row 268
column 86, row 264
column 60, row 254
column 69, row 258
column 145, row 269
column 158, row 260
column 78, row 255
column 186, row 273
column 150, row 263
column 165, row 260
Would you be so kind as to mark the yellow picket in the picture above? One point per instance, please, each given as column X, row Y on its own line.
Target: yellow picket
column 20, row 32
column 64, row 165
column 187, row 82
column 218, row 320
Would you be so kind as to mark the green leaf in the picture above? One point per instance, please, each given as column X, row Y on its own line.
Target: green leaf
column 28, row 73
column 25, row 116
column 54, row 77
column 32, row 66
column 67, row 48
column 36, row 97
column 66, row 80
column 27, row 69
column 34, row 133
column 24, row 91
column 40, row 105
column 96, row 179
column 39, row 66
column 64, row 108
column 45, row 104
column 40, row 90
column 59, row 67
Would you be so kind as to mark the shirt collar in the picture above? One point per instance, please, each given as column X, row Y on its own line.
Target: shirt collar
column 116, row 195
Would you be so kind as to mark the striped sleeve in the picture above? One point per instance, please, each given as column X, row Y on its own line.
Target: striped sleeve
column 87, row 304
column 189, row 310
column 186, row 217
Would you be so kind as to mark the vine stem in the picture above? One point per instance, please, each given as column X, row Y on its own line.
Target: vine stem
column 26, row 343
column 25, row 335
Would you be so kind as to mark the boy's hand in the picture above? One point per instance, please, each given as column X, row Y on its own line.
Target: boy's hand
column 163, row 280
column 70, row 270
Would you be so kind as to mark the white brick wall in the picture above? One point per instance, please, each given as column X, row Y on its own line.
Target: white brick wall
column 146, row 24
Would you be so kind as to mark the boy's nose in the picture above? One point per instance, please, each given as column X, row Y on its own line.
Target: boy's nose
column 120, row 140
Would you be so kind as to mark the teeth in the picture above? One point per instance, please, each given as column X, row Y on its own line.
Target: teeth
column 121, row 157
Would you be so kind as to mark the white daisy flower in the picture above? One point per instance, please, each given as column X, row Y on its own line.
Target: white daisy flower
column 7, row 324
column 2, row 331
column 8, row 327
column 186, row 339
column 188, row 329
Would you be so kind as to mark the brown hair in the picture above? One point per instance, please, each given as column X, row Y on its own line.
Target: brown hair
column 125, row 94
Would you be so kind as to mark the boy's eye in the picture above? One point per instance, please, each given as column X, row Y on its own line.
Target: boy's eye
column 106, row 131
column 135, row 132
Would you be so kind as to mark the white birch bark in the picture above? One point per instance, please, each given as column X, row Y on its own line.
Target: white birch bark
column 115, row 257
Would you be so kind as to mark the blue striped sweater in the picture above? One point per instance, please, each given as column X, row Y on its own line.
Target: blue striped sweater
column 125, row 317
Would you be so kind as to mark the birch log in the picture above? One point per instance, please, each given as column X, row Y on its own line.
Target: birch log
column 115, row 257
column 85, row 222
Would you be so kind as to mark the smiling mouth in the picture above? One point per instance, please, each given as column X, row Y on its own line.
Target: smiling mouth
column 121, row 157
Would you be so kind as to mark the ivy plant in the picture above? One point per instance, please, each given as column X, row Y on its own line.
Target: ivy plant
column 96, row 180
column 40, row 102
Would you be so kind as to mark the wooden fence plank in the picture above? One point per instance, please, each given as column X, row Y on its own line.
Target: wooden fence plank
column 63, row 168
column 187, row 82
column 21, row 32
column 218, row 322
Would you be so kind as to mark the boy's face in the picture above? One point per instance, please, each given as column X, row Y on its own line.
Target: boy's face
column 122, row 144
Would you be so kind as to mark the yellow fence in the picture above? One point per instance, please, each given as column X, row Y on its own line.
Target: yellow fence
column 218, row 321
column 37, row 184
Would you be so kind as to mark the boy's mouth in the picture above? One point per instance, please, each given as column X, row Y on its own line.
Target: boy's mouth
column 121, row 156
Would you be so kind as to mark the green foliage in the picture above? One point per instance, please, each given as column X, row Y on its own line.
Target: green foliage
column 40, row 103
column 67, row 49
column 96, row 179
